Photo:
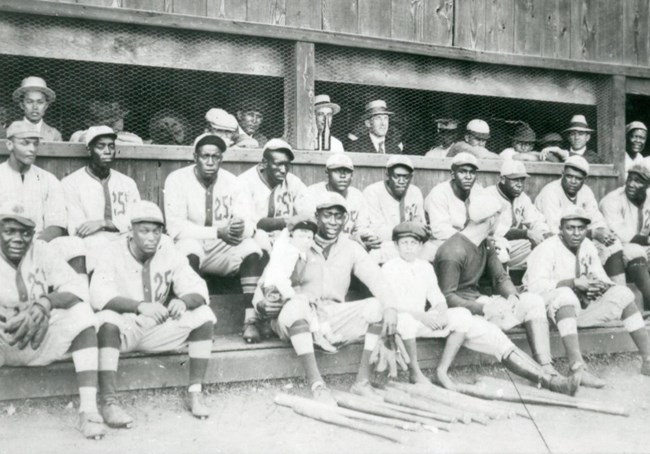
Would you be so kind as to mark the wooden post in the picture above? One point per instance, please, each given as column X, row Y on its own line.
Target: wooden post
column 299, row 122
column 611, row 124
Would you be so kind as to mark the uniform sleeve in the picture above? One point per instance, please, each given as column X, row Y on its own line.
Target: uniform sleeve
column 548, row 204
column 363, row 224
column 281, row 266
column 539, row 275
column 76, row 215
column 61, row 277
column 533, row 219
column 437, row 208
column 377, row 221
column 368, row 272
column 55, row 209
column 185, row 281
column 103, row 285
column 176, row 213
column 615, row 220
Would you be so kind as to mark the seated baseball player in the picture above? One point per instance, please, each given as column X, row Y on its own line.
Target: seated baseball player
column 340, row 171
column 44, row 311
column 319, row 303
column 39, row 191
column 273, row 189
column 627, row 212
column 477, row 133
column 457, row 324
column 577, row 292
column 34, row 97
column 210, row 217
column 570, row 189
column 390, row 202
column 520, row 224
column 149, row 299
column 470, row 254
column 99, row 199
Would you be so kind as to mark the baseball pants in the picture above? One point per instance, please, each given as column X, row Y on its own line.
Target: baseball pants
column 529, row 307
column 605, row 252
column 218, row 257
column 633, row 251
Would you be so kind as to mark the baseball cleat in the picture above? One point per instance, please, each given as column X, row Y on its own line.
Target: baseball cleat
column 321, row 393
column 116, row 417
column 91, row 425
column 251, row 334
column 196, row 407
column 588, row 379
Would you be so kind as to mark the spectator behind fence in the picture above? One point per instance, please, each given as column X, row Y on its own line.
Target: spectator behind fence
column 250, row 116
column 578, row 135
column 523, row 143
column 447, row 133
column 477, row 133
column 167, row 127
column 551, row 147
column 34, row 97
column 636, row 134
column 222, row 124
column 4, row 122
column 111, row 114
column 324, row 111
column 377, row 137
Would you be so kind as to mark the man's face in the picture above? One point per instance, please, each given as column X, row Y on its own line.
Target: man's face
column 513, row 187
column 378, row 125
column 34, row 105
column 522, row 147
column 250, row 121
column 24, row 150
column 635, row 187
column 276, row 166
column 579, row 139
column 409, row 248
column 15, row 239
column 227, row 136
column 464, row 177
column 339, row 179
column 208, row 160
column 102, row 152
column 474, row 141
column 572, row 181
column 398, row 179
column 146, row 236
column 447, row 137
column 324, row 116
column 330, row 222
column 636, row 140
column 573, row 231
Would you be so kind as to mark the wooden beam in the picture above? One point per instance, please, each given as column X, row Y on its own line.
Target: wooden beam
column 635, row 86
column 611, row 124
column 299, row 121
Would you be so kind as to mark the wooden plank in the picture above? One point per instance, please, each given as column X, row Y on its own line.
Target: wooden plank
column 227, row 9
column 635, row 29
column 438, row 22
column 407, row 21
column 637, row 86
column 556, row 42
column 147, row 5
column 340, row 15
column 304, row 14
column 583, row 29
column 190, row 7
column 105, row 3
column 374, row 18
column 469, row 24
column 610, row 36
column 499, row 26
column 299, row 97
column 611, row 124
column 529, row 20
column 271, row 12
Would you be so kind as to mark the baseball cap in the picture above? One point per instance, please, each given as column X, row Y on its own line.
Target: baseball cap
column 635, row 125
column 483, row 207
column 339, row 161
column 279, row 145
column 642, row 170
column 220, row 119
column 209, row 138
column 399, row 160
column 17, row 212
column 304, row 223
column 513, row 169
column 145, row 211
column 411, row 229
column 572, row 212
column 97, row 131
column 331, row 199
column 464, row 159
column 479, row 128
column 577, row 162
column 23, row 129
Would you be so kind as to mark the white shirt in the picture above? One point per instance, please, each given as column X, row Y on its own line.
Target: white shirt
column 414, row 283
column 386, row 212
column 518, row 214
column 336, row 146
column 623, row 217
column 447, row 214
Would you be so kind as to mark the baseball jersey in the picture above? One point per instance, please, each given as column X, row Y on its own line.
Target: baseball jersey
column 39, row 192
column 552, row 200
column 90, row 199
column 194, row 211
column 277, row 202
column 120, row 274
column 552, row 262
column 40, row 270
column 385, row 211
column 359, row 219
column 517, row 214
column 624, row 218
column 446, row 213
column 420, row 280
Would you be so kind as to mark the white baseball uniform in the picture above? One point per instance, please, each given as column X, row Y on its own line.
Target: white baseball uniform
column 446, row 213
column 627, row 220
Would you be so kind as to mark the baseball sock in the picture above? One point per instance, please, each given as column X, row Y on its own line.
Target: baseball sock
column 199, row 349
column 369, row 344
column 84, row 357
column 634, row 325
column 250, row 270
column 303, row 344
column 615, row 268
column 109, row 356
column 637, row 273
column 567, row 325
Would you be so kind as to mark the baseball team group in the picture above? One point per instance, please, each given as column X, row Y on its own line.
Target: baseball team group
column 88, row 270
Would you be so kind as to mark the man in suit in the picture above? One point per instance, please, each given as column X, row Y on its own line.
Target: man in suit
column 34, row 97
column 376, row 139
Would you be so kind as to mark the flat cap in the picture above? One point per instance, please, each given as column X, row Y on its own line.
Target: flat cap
column 331, row 199
column 573, row 212
column 642, row 170
column 411, row 229
column 513, row 169
column 339, row 161
column 17, row 212
column 23, row 129
column 220, row 119
column 209, row 139
column 399, row 160
column 635, row 125
column 464, row 159
column 577, row 162
column 483, row 206
column 303, row 223
column 479, row 128
column 145, row 211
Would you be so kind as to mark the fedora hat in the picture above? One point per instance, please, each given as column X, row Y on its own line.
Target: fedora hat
column 324, row 101
column 377, row 107
column 37, row 84
column 578, row 123
column 524, row 133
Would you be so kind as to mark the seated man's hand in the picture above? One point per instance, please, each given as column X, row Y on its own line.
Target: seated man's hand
column 230, row 236
column 435, row 319
column 604, row 235
column 176, row 308
column 557, row 151
column 40, row 314
column 389, row 322
column 156, row 311
column 17, row 328
column 90, row 227
column 371, row 241
column 535, row 236
column 581, row 284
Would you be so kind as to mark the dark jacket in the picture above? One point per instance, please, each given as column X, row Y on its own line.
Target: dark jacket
column 364, row 145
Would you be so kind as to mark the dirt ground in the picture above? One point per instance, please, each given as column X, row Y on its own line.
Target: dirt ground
column 245, row 420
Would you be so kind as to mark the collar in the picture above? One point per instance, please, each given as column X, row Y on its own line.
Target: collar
column 95, row 177
column 39, row 125
column 391, row 192
column 580, row 152
column 503, row 194
column 196, row 175
column 262, row 177
column 377, row 140
column 130, row 248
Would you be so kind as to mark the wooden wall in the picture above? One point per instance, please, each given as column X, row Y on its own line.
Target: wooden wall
column 612, row 31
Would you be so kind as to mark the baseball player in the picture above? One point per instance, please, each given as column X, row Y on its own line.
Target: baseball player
column 323, row 283
column 520, row 224
column 340, row 171
column 457, row 324
column 38, row 191
column 149, row 299
column 627, row 212
column 469, row 254
column 390, row 202
column 44, row 311
column 210, row 217
column 34, row 97
column 99, row 199
column 570, row 189
column 477, row 133
column 566, row 271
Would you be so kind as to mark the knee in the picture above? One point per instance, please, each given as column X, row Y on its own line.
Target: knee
column 620, row 295
column 460, row 319
column 373, row 312
column 204, row 314
column 191, row 247
column 407, row 326
column 293, row 310
column 107, row 317
column 633, row 251
column 82, row 315
column 107, row 333
column 534, row 305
